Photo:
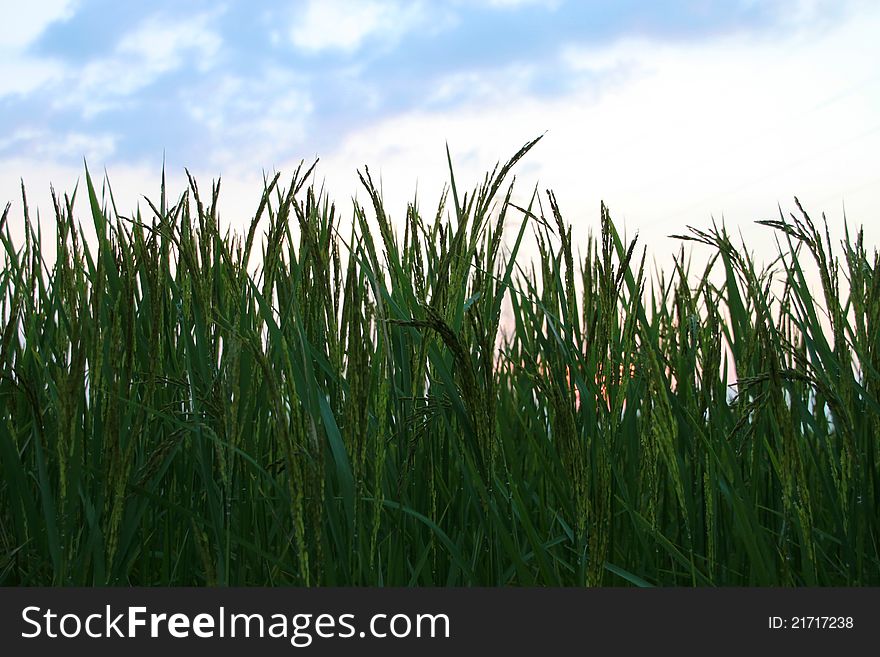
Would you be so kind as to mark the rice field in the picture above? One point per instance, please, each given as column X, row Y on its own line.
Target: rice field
column 333, row 398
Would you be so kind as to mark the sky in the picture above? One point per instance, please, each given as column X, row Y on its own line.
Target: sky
column 672, row 112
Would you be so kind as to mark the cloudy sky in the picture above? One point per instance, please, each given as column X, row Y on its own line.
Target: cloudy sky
column 671, row 111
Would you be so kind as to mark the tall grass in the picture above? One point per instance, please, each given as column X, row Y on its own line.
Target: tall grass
column 412, row 403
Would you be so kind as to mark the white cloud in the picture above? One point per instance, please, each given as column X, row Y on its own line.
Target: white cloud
column 517, row 4
column 155, row 48
column 48, row 146
column 344, row 25
column 507, row 83
column 22, row 74
column 251, row 122
column 160, row 45
column 22, row 24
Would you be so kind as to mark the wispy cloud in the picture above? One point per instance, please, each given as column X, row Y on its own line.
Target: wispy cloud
column 252, row 121
column 517, row 4
column 23, row 22
column 21, row 72
column 345, row 25
column 40, row 143
column 501, row 84
column 156, row 47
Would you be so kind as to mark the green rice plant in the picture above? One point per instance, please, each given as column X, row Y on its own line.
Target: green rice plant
column 368, row 401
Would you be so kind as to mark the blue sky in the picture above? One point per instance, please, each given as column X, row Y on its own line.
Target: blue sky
column 676, row 109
